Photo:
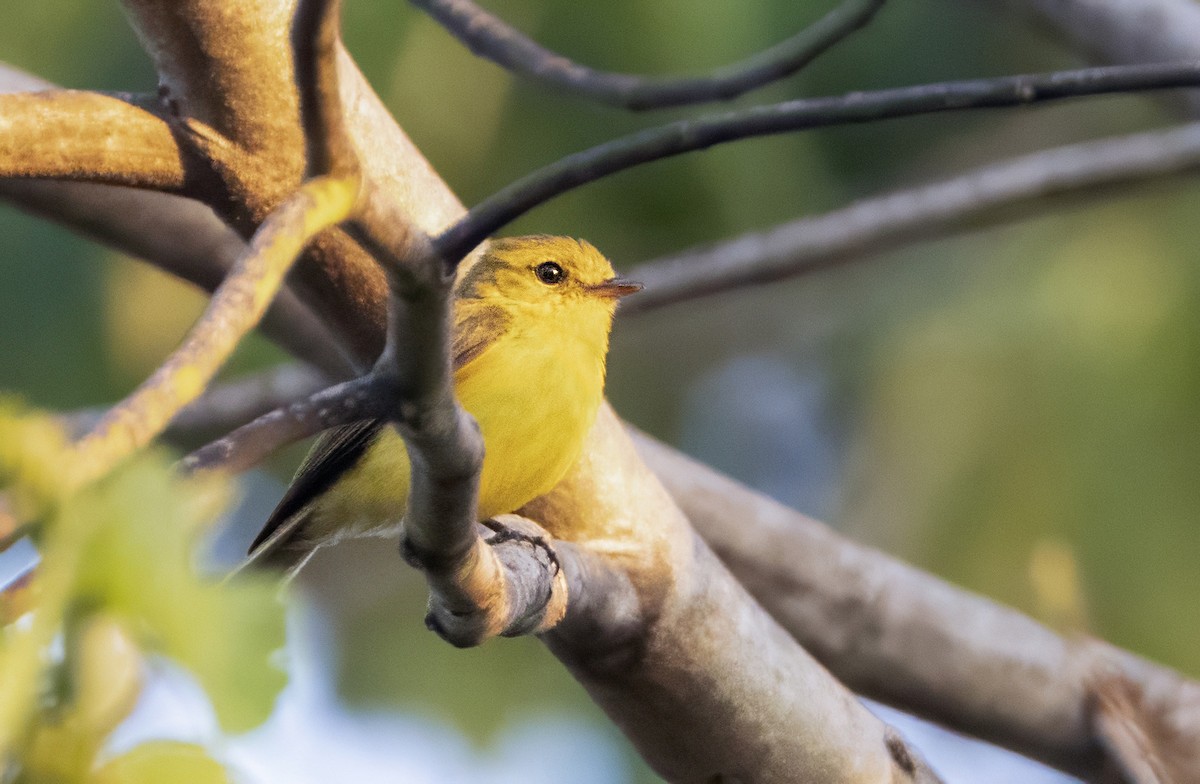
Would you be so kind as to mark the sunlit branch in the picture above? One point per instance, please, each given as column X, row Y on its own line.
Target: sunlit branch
column 149, row 224
column 235, row 308
column 1001, row 191
column 494, row 39
column 87, row 136
column 861, row 107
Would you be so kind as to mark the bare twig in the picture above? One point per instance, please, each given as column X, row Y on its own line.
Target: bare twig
column 494, row 39
column 225, row 406
column 911, row 640
column 687, row 135
column 253, row 442
column 1121, row 31
column 148, row 225
column 236, row 307
column 999, row 191
column 79, row 135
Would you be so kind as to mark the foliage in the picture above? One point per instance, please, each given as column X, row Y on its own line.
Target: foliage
column 117, row 582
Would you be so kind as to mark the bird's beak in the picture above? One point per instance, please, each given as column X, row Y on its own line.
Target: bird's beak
column 616, row 287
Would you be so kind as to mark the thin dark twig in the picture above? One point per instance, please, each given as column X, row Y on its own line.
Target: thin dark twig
column 250, row 444
column 993, row 192
column 683, row 136
column 494, row 39
column 226, row 405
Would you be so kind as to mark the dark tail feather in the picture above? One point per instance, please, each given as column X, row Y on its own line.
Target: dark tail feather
column 282, row 551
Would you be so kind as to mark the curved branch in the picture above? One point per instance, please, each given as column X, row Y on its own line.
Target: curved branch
column 676, row 138
column 234, row 309
column 149, row 225
column 316, row 39
column 999, row 191
column 494, row 39
column 87, row 136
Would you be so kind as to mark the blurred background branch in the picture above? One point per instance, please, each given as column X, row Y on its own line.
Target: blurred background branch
column 492, row 38
column 1003, row 191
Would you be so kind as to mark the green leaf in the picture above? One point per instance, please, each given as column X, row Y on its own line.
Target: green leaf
column 138, row 564
column 33, row 451
column 162, row 761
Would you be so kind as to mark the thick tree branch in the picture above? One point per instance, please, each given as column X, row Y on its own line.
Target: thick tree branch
column 86, row 136
column 229, row 66
column 236, row 307
column 697, row 134
column 706, row 684
column 149, row 225
column 999, row 191
column 494, row 39
column 910, row 640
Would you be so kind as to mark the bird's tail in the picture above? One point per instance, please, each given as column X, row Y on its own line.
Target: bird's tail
column 282, row 551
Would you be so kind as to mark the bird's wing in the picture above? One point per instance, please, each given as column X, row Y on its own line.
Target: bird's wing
column 337, row 450
column 334, row 453
column 476, row 328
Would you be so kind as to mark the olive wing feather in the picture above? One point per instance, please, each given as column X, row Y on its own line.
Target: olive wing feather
column 337, row 450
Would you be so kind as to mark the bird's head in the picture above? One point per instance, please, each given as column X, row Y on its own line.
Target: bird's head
column 559, row 276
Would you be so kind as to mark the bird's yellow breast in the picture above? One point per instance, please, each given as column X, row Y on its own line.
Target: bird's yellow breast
column 534, row 391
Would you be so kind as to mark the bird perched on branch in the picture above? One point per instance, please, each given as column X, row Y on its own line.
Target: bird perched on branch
column 531, row 325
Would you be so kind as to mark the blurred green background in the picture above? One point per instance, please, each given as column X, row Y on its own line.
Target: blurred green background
column 1015, row 409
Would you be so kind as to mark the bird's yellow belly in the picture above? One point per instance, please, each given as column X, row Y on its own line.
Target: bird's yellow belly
column 534, row 416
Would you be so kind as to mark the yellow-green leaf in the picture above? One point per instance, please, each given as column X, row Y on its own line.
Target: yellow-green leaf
column 139, row 565
column 159, row 762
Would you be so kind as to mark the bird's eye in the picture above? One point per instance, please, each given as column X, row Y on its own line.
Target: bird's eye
column 549, row 273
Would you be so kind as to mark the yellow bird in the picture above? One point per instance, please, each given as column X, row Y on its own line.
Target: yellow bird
column 531, row 324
